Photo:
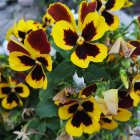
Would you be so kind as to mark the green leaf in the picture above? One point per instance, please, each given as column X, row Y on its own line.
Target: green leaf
column 46, row 108
column 95, row 73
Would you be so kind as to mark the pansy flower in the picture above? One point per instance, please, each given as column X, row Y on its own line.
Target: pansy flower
column 136, row 52
column 105, row 7
column 22, row 28
column 82, row 114
column 135, row 90
column 111, row 110
column 67, row 36
column 11, row 92
column 33, row 56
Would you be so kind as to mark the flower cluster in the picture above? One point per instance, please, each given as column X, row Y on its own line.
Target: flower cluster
column 95, row 47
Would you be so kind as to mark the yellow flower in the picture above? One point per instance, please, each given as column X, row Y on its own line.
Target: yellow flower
column 135, row 90
column 83, row 115
column 11, row 92
column 22, row 28
column 105, row 7
column 34, row 55
column 67, row 36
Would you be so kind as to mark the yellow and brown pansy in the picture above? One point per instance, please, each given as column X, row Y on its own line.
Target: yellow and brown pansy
column 105, row 7
column 83, row 115
column 22, row 28
column 91, row 27
column 11, row 92
column 34, row 55
column 135, row 90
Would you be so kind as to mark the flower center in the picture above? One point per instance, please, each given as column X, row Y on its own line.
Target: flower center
column 80, row 108
column 102, row 9
column 80, row 40
column 37, row 62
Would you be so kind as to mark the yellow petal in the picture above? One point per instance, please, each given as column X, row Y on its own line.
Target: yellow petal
column 73, row 130
column 64, row 35
column 19, row 61
column 123, row 115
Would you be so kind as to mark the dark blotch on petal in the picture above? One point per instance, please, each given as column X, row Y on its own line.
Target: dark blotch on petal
column 70, row 37
column 42, row 60
column 88, row 106
column 106, row 120
column 137, row 86
column 108, row 17
column 59, row 12
column 99, row 4
column 5, row 90
column 81, row 117
column 12, row 97
column 37, row 74
column 89, row 31
column 86, row 8
column 22, row 34
column 87, row 50
column 125, row 101
column 73, row 108
column 27, row 61
column 110, row 4
column 19, row 89
column 89, row 90
column 39, row 41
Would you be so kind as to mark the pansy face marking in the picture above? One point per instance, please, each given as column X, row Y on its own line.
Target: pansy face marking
column 11, row 92
column 67, row 36
column 34, row 55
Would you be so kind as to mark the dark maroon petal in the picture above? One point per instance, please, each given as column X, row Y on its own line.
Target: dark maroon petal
column 137, row 50
column 89, row 90
column 88, row 106
column 99, row 4
column 87, row 50
column 59, row 12
column 108, row 17
column 109, row 4
column 81, row 117
column 125, row 101
column 37, row 74
column 39, row 41
column 86, row 8
column 42, row 60
column 89, row 31
column 12, row 46
column 27, row 61
column 70, row 37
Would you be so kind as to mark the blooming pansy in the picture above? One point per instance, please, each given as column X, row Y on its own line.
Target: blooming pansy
column 11, row 92
column 68, row 36
column 111, row 110
column 135, row 89
column 105, row 7
column 33, row 56
column 22, row 28
column 83, row 115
